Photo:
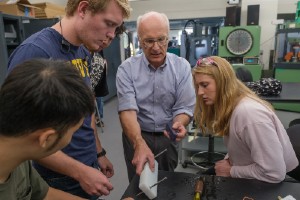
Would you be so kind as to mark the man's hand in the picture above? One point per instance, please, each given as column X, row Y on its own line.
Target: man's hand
column 94, row 182
column 142, row 154
column 106, row 167
column 180, row 129
column 223, row 168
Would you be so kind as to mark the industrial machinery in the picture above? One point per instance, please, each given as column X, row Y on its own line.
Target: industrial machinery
column 201, row 42
column 240, row 45
column 287, row 50
column 287, row 53
column 286, row 61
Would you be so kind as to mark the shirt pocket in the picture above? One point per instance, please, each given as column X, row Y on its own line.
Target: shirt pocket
column 168, row 99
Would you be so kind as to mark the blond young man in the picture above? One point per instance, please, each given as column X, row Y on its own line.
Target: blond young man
column 88, row 22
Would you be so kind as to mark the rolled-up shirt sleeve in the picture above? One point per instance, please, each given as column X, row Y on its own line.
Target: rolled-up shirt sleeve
column 185, row 101
column 125, row 89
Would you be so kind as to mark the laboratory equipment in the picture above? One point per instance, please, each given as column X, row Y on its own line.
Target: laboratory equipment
column 240, row 45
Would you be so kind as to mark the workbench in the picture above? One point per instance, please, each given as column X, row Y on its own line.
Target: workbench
column 290, row 93
column 180, row 186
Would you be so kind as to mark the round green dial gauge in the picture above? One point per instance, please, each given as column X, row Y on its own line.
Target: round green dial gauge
column 239, row 42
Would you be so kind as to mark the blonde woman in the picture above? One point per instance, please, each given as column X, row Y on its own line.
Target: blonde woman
column 257, row 143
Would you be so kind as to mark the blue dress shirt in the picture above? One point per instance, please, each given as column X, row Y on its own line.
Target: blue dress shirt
column 157, row 95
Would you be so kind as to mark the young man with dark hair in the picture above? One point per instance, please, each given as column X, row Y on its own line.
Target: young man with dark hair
column 37, row 118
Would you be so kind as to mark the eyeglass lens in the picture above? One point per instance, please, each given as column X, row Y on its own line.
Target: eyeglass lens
column 160, row 41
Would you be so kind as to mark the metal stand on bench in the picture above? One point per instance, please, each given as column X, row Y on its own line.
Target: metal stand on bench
column 207, row 158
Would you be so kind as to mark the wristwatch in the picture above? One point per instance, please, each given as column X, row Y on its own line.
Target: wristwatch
column 102, row 153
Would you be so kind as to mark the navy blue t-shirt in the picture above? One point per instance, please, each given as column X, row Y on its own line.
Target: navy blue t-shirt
column 48, row 44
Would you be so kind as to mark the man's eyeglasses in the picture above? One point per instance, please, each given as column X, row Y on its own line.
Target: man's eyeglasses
column 162, row 41
column 206, row 61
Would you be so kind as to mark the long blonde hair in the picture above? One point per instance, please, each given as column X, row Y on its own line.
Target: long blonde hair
column 229, row 91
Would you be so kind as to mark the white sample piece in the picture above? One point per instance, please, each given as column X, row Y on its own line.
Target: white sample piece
column 148, row 179
column 289, row 197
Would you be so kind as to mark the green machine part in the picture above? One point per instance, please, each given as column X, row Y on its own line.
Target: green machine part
column 292, row 107
column 297, row 15
column 175, row 51
column 254, row 32
column 287, row 75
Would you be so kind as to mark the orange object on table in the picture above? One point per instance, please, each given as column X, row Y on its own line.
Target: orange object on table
column 288, row 56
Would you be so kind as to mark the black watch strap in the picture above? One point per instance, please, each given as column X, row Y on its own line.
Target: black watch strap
column 102, row 153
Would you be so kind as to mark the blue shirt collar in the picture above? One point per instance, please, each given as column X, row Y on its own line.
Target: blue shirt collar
column 145, row 60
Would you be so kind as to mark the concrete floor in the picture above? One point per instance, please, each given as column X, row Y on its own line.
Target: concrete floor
column 111, row 140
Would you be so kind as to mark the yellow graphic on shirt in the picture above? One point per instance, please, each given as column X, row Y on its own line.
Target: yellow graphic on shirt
column 82, row 66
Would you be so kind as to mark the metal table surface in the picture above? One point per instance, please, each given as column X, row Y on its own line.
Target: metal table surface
column 290, row 93
column 180, row 186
